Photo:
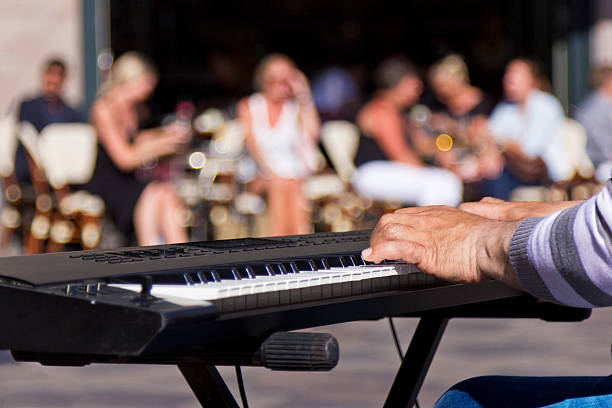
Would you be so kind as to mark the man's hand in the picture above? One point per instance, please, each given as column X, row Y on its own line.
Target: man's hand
column 500, row 210
column 446, row 242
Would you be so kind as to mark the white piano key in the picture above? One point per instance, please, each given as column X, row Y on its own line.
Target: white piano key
column 266, row 284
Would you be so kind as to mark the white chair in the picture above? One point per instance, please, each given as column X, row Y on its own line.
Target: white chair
column 8, row 145
column 340, row 139
column 567, row 156
column 67, row 153
column 10, row 216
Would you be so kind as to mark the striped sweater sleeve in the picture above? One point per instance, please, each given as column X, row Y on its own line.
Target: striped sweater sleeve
column 567, row 257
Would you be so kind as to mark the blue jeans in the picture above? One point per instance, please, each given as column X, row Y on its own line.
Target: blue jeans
column 529, row 392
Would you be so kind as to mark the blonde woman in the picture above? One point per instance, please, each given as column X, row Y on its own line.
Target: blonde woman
column 282, row 128
column 450, row 81
column 151, row 210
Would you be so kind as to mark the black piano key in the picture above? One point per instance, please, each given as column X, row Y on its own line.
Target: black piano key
column 224, row 274
column 293, row 267
column 214, row 275
column 281, row 269
column 236, row 274
column 313, row 265
column 301, row 265
column 324, row 263
column 334, row 262
column 270, row 270
column 261, row 270
column 188, row 279
column 249, row 272
column 201, row 277
column 344, row 262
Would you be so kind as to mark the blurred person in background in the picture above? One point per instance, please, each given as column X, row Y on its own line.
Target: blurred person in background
column 282, row 129
column 595, row 114
column 45, row 109
column 151, row 210
column 450, row 81
column 464, row 114
column 336, row 94
column 526, row 127
column 388, row 167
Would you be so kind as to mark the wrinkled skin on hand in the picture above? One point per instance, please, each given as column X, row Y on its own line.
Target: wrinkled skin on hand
column 446, row 242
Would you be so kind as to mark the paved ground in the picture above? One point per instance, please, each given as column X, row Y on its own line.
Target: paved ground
column 365, row 372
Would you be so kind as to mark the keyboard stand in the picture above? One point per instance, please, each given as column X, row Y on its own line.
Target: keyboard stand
column 208, row 386
column 211, row 390
column 416, row 362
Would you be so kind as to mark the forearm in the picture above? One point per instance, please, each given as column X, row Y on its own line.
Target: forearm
column 143, row 150
column 310, row 121
column 565, row 257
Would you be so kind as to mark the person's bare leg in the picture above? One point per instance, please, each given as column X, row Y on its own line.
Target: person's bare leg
column 146, row 215
column 276, row 206
column 172, row 211
column 299, row 216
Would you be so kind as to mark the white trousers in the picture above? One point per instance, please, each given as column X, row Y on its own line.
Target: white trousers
column 395, row 181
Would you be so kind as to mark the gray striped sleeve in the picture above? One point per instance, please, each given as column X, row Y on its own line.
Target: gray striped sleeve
column 567, row 257
column 522, row 265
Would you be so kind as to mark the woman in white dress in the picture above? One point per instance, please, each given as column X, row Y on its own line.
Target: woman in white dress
column 282, row 128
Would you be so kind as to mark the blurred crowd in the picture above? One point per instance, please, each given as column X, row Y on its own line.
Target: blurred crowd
column 296, row 156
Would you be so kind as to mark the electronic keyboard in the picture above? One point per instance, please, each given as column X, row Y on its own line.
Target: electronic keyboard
column 229, row 302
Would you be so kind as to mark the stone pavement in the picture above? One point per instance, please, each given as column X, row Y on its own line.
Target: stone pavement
column 368, row 361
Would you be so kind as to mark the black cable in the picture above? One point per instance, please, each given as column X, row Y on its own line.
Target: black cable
column 240, row 381
column 398, row 346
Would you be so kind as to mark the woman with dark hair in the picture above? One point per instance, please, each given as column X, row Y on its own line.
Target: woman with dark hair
column 388, row 167
column 282, row 129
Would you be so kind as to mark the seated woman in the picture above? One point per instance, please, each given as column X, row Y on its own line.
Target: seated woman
column 151, row 210
column 527, row 129
column 450, row 81
column 282, row 128
column 388, row 168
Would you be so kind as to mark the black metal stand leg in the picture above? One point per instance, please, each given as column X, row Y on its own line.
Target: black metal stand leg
column 208, row 386
column 416, row 362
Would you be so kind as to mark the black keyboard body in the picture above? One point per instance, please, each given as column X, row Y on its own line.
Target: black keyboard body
column 65, row 302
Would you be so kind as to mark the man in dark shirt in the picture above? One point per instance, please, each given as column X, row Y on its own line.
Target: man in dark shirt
column 44, row 110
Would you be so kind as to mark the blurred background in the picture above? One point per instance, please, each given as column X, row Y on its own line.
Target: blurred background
column 198, row 45
column 205, row 55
